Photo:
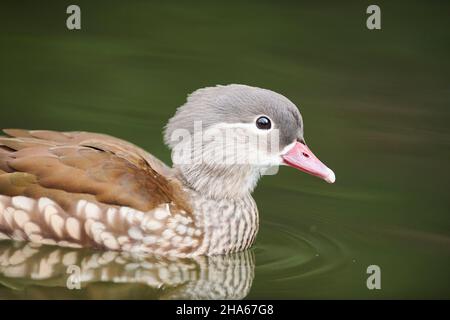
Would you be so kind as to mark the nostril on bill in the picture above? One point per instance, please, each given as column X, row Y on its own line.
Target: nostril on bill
column 305, row 154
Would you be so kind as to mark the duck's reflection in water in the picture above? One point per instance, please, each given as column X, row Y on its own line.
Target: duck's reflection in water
column 37, row 271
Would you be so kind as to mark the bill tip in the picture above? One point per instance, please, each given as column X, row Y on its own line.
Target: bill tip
column 331, row 177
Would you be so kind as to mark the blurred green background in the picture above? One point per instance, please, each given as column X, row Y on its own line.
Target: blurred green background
column 375, row 106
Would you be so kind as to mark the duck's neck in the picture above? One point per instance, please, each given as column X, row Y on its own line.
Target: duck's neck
column 220, row 181
column 222, row 205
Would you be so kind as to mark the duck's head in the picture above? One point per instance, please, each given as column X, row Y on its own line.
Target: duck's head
column 223, row 138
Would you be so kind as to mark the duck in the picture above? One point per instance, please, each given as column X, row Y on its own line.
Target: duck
column 80, row 189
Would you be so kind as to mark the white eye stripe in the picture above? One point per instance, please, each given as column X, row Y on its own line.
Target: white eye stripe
column 249, row 126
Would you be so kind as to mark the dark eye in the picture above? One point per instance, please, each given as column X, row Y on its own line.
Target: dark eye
column 263, row 123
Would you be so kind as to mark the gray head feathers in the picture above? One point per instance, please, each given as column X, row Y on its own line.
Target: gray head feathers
column 237, row 103
column 236, row 106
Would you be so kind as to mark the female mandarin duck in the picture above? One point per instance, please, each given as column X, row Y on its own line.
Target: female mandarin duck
column 79, row 189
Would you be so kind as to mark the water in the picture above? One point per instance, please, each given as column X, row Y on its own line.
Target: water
column 376, row 110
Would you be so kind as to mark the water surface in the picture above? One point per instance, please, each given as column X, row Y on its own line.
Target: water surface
column 375, row 106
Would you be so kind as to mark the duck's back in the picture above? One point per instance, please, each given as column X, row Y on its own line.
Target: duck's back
column 85, row 189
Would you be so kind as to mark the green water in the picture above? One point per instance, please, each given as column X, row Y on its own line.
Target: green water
column 376, row 110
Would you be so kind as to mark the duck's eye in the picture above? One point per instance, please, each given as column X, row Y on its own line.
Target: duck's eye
column 263, row 123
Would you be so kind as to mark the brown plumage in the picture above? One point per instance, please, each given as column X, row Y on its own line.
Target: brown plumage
column 71, row 166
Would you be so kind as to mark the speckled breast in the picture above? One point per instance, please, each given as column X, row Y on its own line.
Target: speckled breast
column 214, row 227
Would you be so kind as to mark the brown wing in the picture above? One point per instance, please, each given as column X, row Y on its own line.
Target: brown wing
column 68, row 166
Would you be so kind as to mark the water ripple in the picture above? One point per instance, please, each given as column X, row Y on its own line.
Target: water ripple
column 298, row 254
